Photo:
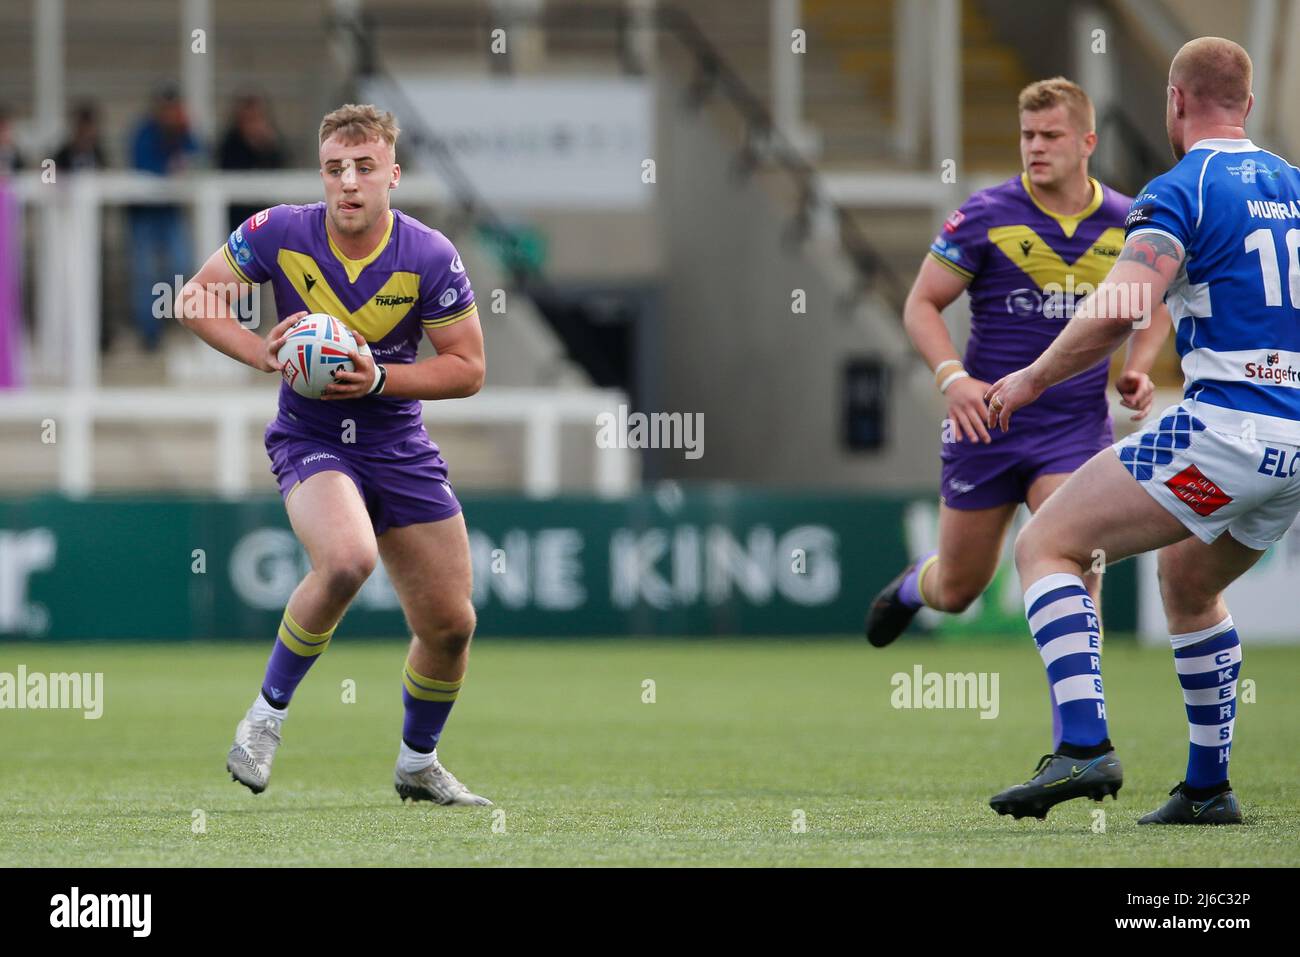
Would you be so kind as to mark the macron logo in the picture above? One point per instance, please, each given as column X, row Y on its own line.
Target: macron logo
column 103, row 910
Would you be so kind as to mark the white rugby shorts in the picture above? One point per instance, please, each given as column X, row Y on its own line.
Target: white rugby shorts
column 1211, row 479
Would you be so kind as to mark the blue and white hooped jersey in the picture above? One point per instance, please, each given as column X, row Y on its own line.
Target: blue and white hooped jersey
column 1235, row 210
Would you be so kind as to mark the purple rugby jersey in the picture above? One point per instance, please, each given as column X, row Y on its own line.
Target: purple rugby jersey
column 1025, row 267
column 1022, row 262
column 413, row 281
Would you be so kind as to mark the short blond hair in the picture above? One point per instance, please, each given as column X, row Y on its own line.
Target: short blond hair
column 359, row 123
column 1058, row 91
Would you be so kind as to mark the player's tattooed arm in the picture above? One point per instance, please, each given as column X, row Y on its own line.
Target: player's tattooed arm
column 1143, row 273
column 1155, row 251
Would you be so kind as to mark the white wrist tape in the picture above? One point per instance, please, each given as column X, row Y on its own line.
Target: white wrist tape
column 959, row 374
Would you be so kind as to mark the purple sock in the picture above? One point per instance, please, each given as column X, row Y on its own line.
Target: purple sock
column 295, row 651
column 909, row 593
column 428, row 703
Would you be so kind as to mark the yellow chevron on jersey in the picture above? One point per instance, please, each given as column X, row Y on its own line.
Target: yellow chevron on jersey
column 374, row 319
column 1044, row 265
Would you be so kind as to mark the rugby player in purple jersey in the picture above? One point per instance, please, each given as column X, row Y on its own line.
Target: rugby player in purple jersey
column 360, row 478
column 1025, row 251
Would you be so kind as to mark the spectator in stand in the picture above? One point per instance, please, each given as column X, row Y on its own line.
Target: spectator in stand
column 10, row 160
column 250, row 142
column 83, row 150
column 162, row 144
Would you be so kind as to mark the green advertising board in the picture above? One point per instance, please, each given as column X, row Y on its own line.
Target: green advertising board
column 707, row 561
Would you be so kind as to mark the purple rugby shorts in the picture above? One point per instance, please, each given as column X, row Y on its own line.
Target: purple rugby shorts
column 401, row 484
column 975, row 475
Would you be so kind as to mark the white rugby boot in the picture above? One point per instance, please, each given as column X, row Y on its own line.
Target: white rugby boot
column 249, row 761
column 435, row 783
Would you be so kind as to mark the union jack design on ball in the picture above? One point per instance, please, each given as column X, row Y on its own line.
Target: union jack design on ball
column 304, row 360
column 332, row 356
column 305, row 328
column 316, row 328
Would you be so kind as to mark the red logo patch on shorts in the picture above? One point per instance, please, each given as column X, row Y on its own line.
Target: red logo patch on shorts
column 1200, row 494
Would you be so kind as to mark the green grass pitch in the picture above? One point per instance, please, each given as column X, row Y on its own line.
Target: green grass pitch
column 741, row 737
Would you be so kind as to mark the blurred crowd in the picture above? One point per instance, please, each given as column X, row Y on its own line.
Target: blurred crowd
column 161, row 142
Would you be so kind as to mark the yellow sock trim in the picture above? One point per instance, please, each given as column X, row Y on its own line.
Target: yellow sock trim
column 429, row 689
column 920, row 580
column 301, row 641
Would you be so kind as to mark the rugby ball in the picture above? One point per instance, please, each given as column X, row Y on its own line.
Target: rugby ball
column 316, row 347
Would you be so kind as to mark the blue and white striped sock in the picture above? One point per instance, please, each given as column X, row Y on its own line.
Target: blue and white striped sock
column 1208, row 663
column 1067, row 630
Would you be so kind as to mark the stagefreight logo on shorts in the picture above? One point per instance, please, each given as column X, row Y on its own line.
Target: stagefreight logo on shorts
column 1199, row 494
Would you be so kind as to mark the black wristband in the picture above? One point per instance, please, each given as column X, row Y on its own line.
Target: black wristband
column 380, row 382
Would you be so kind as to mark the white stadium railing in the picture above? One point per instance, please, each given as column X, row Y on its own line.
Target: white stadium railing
column 69, row 213
column 67, row 216
column 543, row 413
